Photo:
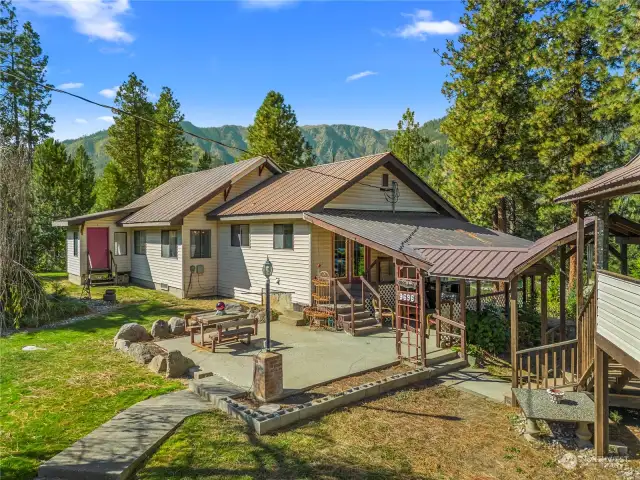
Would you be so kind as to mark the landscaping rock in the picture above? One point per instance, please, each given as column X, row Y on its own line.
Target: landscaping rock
column 234, row 308
column 178, row 364
column 160, row 329
column 177, row 325
column 158, row 364
column 262, row 316
column 122, row 344
column 568, row 461
column 143, row 353
column 132, row 332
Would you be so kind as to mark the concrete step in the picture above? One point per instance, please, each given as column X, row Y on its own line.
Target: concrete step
column 447, row 366
column 443, row 358
column 359, row 331
column 346, row 317
column 344, row 308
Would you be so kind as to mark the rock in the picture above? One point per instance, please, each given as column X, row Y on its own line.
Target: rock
column 143, row 353
column 262, row 316
column 568, row 461
column 122, row 344
column 253, row 312
column 158, row 364
column 160, row 329
column 177, row 325
column 178, row 364
column 268, row 408
column 234, row 308
column 132, row 332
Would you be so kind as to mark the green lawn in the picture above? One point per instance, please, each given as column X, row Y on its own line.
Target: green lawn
column 50, row 398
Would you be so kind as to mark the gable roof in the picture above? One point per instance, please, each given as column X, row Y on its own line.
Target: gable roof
column 80, row 219
column 309, row 189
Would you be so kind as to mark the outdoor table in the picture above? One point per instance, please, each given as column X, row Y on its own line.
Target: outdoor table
column 575, row 407
column 211, row 320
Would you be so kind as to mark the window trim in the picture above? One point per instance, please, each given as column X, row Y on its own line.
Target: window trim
column 143, row 245
column 162, row 232
column 76, row 243
column 191, row 252
column 248, row 245
column 385, row 179
column 126, row 249
column 283, row 236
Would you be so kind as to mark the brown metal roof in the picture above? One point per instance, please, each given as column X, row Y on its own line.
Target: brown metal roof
column 66, row 222
column 169, row 202
column 621, row 181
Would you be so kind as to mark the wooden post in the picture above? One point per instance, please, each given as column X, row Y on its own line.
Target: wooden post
column 422, row 322
column 524, row 291
column 543, row 309
column 602, row 234
column 463, row 301
column 513, row 306
column 438, row 295
column 563, row 292
column 624, row 259
column 601, row 399
column 532, row 295
column 506, row 299
column 478, row 293
column 580, row 257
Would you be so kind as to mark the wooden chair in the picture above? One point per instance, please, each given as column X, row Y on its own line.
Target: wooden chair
column 383, row 313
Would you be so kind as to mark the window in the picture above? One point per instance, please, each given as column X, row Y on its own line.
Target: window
column 120, row 244
column 169, row 243
column 385, row 179
column 358, row 259
column 76, row 243
column 339, row 256
column 239, row 235
column 283, row 236
column 140, row 242
column 200, row 243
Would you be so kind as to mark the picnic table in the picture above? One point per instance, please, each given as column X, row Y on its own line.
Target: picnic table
column 229, row 327
column 575, row 407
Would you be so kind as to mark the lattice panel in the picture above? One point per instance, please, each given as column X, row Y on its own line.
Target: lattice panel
column 387, row 293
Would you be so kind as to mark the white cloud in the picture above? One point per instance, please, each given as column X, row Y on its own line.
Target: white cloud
column 95, row 18
column 358, row 76
column 109, row 92
column 70, row 85
column 106, row 118
column 273, row 4
column 423, row 25
column 81, row 121
column 152, row 96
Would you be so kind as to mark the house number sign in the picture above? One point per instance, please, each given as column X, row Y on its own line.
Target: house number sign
column 408, row 297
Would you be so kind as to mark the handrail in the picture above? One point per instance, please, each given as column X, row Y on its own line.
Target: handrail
column 546, row 365
column 375, row 262
column 547, row 347
column 114, row 267
column 373, row 291
column 462, row 336
column 585, row 332
column 350, row 297
column 586, row 302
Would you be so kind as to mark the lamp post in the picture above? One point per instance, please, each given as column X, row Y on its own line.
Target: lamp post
column 267, row 270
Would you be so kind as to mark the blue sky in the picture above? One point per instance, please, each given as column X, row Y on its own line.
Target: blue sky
column 359, row 63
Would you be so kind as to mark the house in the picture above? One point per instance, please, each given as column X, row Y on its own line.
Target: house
column 209, row 233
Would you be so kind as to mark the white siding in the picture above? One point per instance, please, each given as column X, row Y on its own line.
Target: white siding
column 153, row 267
column 73, row 262
column 321, row 251
column 619, row 313
column 363, row 197
column 124, row 261
column 240, row 268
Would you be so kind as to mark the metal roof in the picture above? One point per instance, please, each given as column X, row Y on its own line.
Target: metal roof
column 621, row 181
column 67, row 222
column 169, row 202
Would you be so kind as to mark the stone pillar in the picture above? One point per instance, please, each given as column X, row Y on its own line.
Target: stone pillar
column 267, row 376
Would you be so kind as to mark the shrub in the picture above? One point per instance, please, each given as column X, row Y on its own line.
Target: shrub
column 488, row 330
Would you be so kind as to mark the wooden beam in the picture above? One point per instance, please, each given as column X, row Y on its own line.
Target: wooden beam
column 463, row 301
column 601, row 399
column 532, row 297
column 543, row 310
column 628, row 240
column 619, row 355
column 478, row 298
column 580, row 257
column 602, row 234
column 624, row 401
column 506, row 298
column 624, row 259
column 513, row 306
column 615, row 253
column 438, row 294
column 524, row 290
column 422, row 321
column 563, row 293
column 571, row 252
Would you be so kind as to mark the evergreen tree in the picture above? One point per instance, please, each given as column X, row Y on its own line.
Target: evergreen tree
column 130, row 140
column 108, row 189
column 411, row 145
column 490, row 164
column 85, row 181
column 10, row 87
column 170, row 152
column 204, row 161
column 275, row 133
column 35, row 123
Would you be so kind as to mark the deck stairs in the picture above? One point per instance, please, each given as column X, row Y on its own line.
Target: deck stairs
column 363, row 320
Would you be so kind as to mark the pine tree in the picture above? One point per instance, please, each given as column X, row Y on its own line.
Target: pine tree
column 489, row 164
column 275, row 133
column 170, row 152
column 204, row 161
column 85, row 181
column 130, row 140
column 35, row 123
column 10, row 86
column 108, row 190
column 411, row 145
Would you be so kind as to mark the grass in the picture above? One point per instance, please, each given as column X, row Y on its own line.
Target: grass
column 426, row 433
column 50, row 398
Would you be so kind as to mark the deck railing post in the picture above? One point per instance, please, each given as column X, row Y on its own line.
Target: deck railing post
column 513, row 307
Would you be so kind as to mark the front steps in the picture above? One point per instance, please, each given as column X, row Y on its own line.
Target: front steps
column 363, row 322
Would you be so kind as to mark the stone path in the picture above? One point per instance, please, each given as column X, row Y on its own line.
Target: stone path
column 114, row 450
column 478, row 381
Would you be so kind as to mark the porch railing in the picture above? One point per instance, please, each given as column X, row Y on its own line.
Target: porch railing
column 547, row 366
column 339, row 285
column 440, row 320
column 374, row 292
column 586, row 331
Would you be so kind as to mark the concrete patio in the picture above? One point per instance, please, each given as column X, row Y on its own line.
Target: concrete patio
column 310, row 357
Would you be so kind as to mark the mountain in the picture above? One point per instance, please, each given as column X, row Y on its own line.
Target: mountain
column 329, row 142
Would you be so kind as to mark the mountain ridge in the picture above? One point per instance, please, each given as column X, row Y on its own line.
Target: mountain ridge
column 330, row 142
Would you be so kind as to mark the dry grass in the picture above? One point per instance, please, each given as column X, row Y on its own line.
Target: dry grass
column 426, row 433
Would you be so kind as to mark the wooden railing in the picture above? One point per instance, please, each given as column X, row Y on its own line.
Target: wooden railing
column 547, row 366
column 439, row 319
column 585, row 333
column 343, row 289
column 373, row 291
column 114, row 268
column 552, row 335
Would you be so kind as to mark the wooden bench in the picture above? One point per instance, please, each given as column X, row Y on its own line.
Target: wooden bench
column 228, row 328
column 234, row 331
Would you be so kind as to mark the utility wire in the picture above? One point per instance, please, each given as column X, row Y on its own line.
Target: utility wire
column 163, row 125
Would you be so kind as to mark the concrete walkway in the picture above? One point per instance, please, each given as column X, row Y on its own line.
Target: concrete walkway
column 115, row 449
column 478, row 381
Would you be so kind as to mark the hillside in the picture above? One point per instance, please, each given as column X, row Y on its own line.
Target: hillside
column 329, row 142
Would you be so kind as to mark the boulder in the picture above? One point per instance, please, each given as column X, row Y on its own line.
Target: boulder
column 177, row 325
column 143, row 353
column 568, row 461
column 178, row 364
column 122, row 344
column 132, row 332
column 262, row 316
column 233, row 308
column 160, row 329
column 158, row 364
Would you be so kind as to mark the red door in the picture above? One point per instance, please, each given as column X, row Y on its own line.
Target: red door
column 98, row 247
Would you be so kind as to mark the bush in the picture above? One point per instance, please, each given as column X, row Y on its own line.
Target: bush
column 488, row 330
column 528, row 327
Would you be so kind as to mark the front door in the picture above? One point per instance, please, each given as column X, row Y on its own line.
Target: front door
column 98, row 247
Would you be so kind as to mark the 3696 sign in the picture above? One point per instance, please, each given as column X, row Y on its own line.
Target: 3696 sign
column 408, row 297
